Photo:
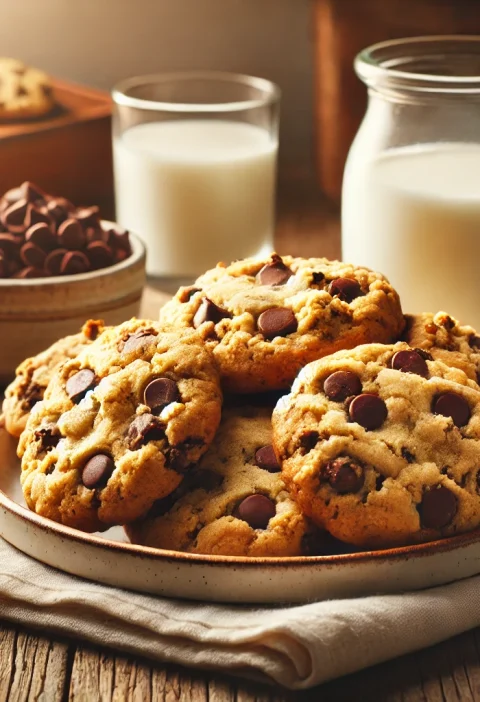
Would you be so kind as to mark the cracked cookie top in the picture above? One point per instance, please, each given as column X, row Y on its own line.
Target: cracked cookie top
column 120, row 425
column 33, row 375
column 381, row 445
column 235, row 503
column 264, row 320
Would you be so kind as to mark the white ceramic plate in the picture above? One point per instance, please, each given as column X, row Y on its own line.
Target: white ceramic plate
column 108, row 558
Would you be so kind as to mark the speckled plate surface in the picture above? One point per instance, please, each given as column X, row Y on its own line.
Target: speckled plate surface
column 108, row 558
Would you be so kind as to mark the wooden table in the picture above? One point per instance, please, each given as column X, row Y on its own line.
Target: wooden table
column 47, row 668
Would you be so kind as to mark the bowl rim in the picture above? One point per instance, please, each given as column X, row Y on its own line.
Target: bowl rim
column 138, row 253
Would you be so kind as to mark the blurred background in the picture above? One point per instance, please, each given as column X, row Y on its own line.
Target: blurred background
column 306, row 46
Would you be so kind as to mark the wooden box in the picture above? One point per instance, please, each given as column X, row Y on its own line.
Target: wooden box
column 68, row 153
column 342, row 28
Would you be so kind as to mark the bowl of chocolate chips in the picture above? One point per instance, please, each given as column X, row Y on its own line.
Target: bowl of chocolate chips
column 59, row 265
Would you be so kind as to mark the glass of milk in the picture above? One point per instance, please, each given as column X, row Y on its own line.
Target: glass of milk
column 195, row 159
column 411, row 190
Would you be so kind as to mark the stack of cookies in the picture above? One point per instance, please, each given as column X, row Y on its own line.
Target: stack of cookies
column 278, row 408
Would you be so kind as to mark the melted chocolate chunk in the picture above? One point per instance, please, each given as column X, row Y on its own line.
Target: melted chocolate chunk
column 408, row 361
column 438, row 507
column 139, row 340
column 97, row 471
column 256, row 510
column 449, row 404
column 368, row 410
column 78, row 385
column 342, row 384
column 274, row 273
column 345, row 289
column 277, row 321
column 144, row 428
column 48, row 436
column 159, row 393
column 209, row 312
column 344, row 475
column 265, row 458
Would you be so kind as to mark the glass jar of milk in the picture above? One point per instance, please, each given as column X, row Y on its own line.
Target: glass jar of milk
column 411, row 190
column 195, row 168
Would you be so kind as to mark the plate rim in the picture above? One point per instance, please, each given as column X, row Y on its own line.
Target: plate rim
column 449, row 543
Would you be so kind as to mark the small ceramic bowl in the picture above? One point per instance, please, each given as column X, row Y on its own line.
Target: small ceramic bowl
column 36, row 312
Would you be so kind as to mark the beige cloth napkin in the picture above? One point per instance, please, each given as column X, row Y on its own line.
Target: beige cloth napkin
column 297, row 646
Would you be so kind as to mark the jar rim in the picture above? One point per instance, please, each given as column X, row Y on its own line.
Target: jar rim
column 430, row 64
column 124, row 92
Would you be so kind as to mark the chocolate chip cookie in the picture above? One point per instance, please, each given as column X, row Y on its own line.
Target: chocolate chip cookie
column 381, row 445
column 119, row 426
column 446, row 340
column 33, row 375
column 235, row 503
column 25, row 92
column 264, row 320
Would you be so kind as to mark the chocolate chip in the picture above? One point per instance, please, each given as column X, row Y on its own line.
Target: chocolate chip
column 184, row 294
column 317, row 278
column 21, row 91
column 209, row 312
column 48, row 436
column 71, row 235
column 32, row 255
column 59, row 209
column 309, row 440
column 139, row 340
column 342, row 384
column 407, row 455
column 88, row 216
column 344, row 475
column 32, row 394
column 274, row 273
column 144, row 428
column 35, row 216
column 410, row 362
column 10, row 245
column 12, row 195
column 41, row 235
column 424, row 354
column 121, row 240
column 97, row 471
column 474, row 341
column 99, row 254
column 277, row 321
column 368, row 410
column 256, row 510
column 451, row 405
column 74, row 262
column 29, row 272
column 438, row 507
column 265, row 458
column 77, row 385
column 379, row 480
column 32, row 193
column 54, row 260
column 345, row 289
column 14, row 216
column 159, row 393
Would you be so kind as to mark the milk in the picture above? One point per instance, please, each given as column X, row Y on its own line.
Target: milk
column 413, row 213
column 196, row 191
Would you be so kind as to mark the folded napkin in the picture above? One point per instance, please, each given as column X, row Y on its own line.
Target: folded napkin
column 296, row 646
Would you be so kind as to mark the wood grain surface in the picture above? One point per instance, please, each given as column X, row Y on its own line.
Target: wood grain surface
column 43, row 667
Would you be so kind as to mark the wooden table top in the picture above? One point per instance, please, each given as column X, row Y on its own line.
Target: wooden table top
column 48, row 668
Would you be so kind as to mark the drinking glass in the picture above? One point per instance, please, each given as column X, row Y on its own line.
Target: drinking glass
column 195, row 159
